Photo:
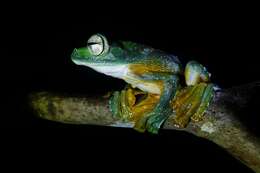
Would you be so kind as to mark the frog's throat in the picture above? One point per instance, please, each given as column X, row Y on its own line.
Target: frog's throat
column 122, row 71
column 117, row 71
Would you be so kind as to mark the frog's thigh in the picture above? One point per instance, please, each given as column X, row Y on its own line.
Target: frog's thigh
column 195, row 73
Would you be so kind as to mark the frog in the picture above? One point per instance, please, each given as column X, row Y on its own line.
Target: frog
column 158, row 86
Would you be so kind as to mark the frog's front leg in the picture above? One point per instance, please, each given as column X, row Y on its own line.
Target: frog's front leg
column 131, row 104
column 153, row 120
column 121, row 103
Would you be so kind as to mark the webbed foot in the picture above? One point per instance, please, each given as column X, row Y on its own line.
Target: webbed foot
column 132, row 105
column 156, row 119
column 121, row 103
column 191, row 103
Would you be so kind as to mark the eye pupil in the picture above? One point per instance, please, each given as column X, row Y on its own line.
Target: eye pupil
column 96, row 49
column 97, row 44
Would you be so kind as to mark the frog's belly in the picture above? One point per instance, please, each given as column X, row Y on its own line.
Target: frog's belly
column 150, row 87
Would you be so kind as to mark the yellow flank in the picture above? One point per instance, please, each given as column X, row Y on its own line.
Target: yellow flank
column 139, row 69
column 154, row 87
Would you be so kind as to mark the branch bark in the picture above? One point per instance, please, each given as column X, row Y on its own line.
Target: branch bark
column 228, row 121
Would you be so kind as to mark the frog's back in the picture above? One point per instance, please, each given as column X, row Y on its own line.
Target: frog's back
column 164, row 62
column 167, row 61
column 148, row 57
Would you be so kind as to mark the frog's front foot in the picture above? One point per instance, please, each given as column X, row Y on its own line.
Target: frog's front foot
column 132, row 105
column 152, row 121
column 121, row 103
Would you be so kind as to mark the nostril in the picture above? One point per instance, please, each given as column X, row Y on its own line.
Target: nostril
column 75, row 52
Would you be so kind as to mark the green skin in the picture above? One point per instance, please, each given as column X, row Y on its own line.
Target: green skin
column 121, row 60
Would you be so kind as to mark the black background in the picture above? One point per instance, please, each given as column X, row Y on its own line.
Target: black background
column 37, row 42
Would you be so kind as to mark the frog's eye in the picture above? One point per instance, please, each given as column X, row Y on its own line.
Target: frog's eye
column 97, row 45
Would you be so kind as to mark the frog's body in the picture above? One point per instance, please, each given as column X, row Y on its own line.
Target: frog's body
column 155, row 74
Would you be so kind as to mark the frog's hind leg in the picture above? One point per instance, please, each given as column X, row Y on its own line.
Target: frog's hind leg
column 192, row 101
column 185, row 105
column 195, row 74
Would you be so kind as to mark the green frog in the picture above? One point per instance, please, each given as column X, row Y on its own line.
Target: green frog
column 154, row 88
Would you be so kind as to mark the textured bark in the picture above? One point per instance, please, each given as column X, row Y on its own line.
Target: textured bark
column 228, row 122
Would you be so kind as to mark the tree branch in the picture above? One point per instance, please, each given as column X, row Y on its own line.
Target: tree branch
column 228, row 121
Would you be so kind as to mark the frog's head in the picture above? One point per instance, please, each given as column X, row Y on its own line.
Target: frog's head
column 96, row 51
column 111, row 59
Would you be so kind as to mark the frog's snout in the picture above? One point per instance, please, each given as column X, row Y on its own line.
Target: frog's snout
column 74, row 53
column 74, row 56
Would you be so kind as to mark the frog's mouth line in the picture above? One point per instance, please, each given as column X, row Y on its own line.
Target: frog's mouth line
column 97, row 64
